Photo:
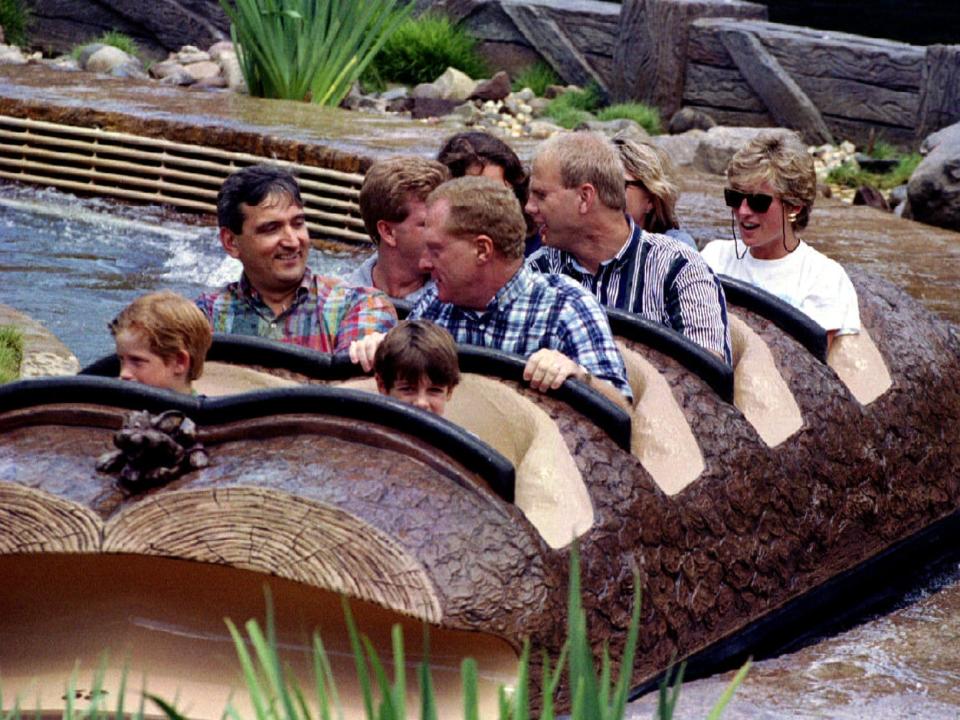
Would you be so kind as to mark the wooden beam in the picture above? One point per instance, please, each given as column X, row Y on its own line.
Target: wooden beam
column 785, row 100
column 940, row 92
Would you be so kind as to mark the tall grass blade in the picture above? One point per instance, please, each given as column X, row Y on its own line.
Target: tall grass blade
column 358, row 658
column 521, row 694
column 257, row 694
column 468, row 679
column 727, row 695
column 428, row 704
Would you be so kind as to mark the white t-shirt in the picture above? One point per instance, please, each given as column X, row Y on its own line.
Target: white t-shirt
column 806, row 279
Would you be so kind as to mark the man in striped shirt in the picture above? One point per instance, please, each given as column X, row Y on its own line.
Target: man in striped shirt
column 262, row 224
column 485, row 295
column 577, row 197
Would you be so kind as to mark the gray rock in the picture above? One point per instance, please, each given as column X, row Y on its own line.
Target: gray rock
column 541, row 129
column 613, row 127
column 395, row 93
column 468, row 112
column 424, row 107
column 232, row 73
column 933, row 192
column 178, row 77
column 426, row 91
column 690, row 119
column 681, row 149
column 86, row 52
column 496, row 88
column 897, row 196
column 106, row 59
column 720, row 143
column 401, row 104
column 216, row 50
column 204, row 70
column 538, row 106
column 165, row 68
column 189, row 54
column 213, row 82
column 372, row 104
column 64, row 62
column 132, row 69
column 455, row 85
column 526, row 95
column 353, row 98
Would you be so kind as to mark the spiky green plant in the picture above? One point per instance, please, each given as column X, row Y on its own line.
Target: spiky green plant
column 14, row 19
column 851, row 175
column 645, row 116
column 423, row 48
column 537, row 77
column 309, row 49
column 11, row 353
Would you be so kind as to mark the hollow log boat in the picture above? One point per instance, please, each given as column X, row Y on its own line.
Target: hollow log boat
column 750, row 500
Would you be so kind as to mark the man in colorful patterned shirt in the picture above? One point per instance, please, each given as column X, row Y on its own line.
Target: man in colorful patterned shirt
column 485, row 295
column 577, row 196
column 262, row 224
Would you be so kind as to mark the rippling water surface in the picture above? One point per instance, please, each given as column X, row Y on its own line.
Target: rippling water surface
column 73, row 263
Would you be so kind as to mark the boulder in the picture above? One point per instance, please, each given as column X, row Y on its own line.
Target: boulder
column 455, row 85
column 872, row 197
column 689, row 119
column 231, row 71
column 718, row 145
column 86, row 52
column 11, row 55
column 106, row 59
column 469, row 113
column 933, row 193
column 496, row 88
column 682, row 149
column 178, row 77
column 216, row 50
column 426, row 91
column 613, row 127
column 189, row 54
column 203, row 70
column 132, row 69
column 165, row 68
column 425, row 107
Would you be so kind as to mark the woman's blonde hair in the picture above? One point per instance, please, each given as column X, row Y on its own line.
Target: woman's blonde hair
column 782, row 160
column 653, row 168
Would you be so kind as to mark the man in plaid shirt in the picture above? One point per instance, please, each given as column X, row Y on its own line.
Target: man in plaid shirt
column 485, row 295
column 262, row 224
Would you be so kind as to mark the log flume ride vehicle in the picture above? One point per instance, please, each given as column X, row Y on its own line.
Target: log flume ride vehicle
column 751, row 502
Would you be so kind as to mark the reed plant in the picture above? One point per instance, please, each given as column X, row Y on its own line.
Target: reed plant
column 11, row 353
column 538, row 77
column 15, row 20
column 311, row 50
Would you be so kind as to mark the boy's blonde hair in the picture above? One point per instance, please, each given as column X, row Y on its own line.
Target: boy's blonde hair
column 415, row 348
column 169, row 323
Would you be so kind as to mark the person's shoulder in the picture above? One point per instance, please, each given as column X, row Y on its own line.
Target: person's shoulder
column 427, row 306
column 543, row 259
column 821, row 266
column 717, row 252
column 208, row 298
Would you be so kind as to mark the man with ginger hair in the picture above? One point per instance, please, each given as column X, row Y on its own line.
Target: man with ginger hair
column 577, row 197
column 485, row 295
column 392, row 205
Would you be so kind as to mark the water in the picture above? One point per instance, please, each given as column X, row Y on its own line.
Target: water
column 73, row 263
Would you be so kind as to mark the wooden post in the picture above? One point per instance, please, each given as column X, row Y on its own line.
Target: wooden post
column 786, row 102
column 650, row 58
column 940, row 90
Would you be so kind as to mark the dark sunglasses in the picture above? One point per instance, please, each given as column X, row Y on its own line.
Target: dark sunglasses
column 758, row 202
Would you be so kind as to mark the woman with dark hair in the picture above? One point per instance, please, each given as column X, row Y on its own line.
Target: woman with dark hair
column 771, row 188
column 480, row 153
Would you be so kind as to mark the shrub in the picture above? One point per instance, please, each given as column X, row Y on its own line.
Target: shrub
column 574, row 107
column 14, row 17
column 11, row 353
column 645, row 116
column 850, row 175
column 309, row 49
column 422, row 48
column 536, row 77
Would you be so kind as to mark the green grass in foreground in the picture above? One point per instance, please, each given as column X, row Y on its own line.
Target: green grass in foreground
column 11, row 353
column 14, row 18
column 276, row 695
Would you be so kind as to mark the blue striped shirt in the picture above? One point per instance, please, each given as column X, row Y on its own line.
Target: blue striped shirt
column 533, row 311
column 657, row 277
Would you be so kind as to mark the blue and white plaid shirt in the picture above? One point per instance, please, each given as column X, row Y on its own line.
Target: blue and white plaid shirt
column 533, row 311
column 657, row 277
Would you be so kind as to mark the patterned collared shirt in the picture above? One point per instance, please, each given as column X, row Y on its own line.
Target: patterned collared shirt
column 326, row 314
column 657, row 277
column 533, row 311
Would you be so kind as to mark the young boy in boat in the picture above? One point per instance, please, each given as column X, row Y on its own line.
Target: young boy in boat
column 162, row 340
column 417, row 363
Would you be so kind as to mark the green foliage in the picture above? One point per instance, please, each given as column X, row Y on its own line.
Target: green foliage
column 645, row 116
column 14, row 18
column 309, row 49
column 850, row 175
column 537, row 77
column 423, row 48
column 11, row 353
column 121, row 41
column 574, row 107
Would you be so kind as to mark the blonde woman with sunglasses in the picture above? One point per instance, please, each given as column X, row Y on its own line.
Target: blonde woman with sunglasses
column 771, row 188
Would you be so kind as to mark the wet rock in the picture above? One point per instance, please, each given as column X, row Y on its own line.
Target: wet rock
column 11, row 55
column 496, row 88
column 682, row 149
column 687, row 118
column 189, row 54
column 204, row 70
column 105, row 59
column 870, row 196
column 718, row 145
column 455, row 85
column 425, row 107
column 933, row 192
